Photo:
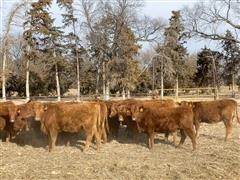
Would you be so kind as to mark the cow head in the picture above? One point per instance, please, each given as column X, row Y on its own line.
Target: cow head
column 137, row 112
column 113, row 111
column 13, row 113
column 21, row 123
column 39, row 109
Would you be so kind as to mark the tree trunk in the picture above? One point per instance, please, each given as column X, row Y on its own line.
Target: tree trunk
column 27, row 74
column 104, row 79
column 123, row 94
column 128, row 93
column 78, row 79
column 97, row 79
column 27, row 81
column 162, row 78
column 233, row 85
column 177, row 87
column 57, row 78
column 78, row 66
column 153, row 77
column 4, row 76
column 107, row 90
column 214, row 78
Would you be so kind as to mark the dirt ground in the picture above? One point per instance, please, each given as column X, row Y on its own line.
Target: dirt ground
column 125, row 158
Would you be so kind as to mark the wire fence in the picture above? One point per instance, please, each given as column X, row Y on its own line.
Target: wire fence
column 183, row 93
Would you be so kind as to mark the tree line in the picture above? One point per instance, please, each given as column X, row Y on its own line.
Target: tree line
column 96, row 48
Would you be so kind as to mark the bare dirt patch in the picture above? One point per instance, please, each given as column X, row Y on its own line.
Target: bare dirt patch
column 126, row 158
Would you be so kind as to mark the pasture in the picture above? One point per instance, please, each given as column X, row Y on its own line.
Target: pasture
column 124, row 158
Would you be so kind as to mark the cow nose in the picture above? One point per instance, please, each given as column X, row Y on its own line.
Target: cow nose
column 12, row 120
column 27, row 128
column 37, row 118
column 120, row 118
column 134, row 119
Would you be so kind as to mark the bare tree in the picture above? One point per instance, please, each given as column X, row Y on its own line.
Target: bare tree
column 211, row 19
column 5, row 42
column 104, row 23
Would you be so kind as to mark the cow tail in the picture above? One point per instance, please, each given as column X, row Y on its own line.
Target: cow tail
column 99, row 117
column 106, row 121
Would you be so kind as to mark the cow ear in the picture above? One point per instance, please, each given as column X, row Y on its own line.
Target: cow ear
column 141, row 109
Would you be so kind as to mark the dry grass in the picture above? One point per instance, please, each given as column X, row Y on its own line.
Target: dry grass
column 128, row 159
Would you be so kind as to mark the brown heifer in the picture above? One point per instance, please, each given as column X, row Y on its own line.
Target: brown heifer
column 24, row 117
column 24, row 114
column 117, row 113
column 214, row 112
column 6, row 124
column 123, row 109
column 72, row 118
column 164, row 120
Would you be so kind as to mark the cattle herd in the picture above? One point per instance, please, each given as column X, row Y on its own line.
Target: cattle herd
column 101, row 119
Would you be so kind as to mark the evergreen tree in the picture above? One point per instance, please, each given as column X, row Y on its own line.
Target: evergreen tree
column 44, row 36
column 173, row 46
column 231, row 62
column 70, row 20
column 204, row 74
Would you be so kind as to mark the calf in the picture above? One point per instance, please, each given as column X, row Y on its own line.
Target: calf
column 164, row 120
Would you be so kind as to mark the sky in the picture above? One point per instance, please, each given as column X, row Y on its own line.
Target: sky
column 152, row 8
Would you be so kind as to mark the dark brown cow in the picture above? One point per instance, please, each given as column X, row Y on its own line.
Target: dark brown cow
column 214, row 112
column 164, row 120
column 71, row 117
column 113, row 122
column 6, row 124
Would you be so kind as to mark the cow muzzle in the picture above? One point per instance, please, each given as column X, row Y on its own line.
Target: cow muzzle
column 37, row 119
column 133, row 118
column 120, row 118
column 12, row 120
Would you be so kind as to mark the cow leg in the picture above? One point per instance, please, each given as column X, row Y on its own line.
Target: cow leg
column 151, row 136
column 104, row 135
column 8, row 136
column 183, row 137
column 52, row 140
column 98, row 140
column 228, row 125
column 197, row 126
column 166, row 136
column 89, row 138
column 174, row 137
column 192, row 135
column 67, row 137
